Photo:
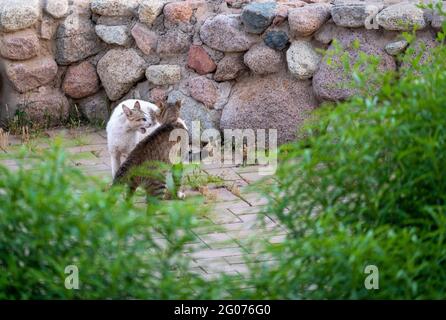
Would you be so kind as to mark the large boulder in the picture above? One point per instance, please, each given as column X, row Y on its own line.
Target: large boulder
column 76, row 40
column 330, row 82
column 225, row 33
column 422, row 46
column 46, row 106
column 401, row 17
column 276, row 101
column 81, row 80
column 119, row 70
column 19, row 14
column 20, row 45
column 30, row 74
column 304, row 21
column 114, row 7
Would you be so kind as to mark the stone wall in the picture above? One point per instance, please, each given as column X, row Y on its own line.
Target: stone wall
column 234, row 63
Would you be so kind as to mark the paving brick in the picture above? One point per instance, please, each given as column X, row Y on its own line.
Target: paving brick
column 223, row 216
column 219, row 240
column 247, row 210
column 215, row 253
column 226, row 174
column 254, row 199
column 224, row 195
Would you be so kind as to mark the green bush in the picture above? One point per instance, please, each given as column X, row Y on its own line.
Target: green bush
column 368, row 188
column 52, row 216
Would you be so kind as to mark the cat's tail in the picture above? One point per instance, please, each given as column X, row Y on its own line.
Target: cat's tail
column 121, row 173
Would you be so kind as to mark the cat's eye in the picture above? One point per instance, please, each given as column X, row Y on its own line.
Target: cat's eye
column 144, row 120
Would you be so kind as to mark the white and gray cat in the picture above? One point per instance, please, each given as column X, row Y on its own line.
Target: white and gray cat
column 130, row 122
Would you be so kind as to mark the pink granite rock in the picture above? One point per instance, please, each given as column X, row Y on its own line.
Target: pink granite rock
column 176, row 12
column 261, row 59
column 230, row 67
column 306, row 20
column 203, row 90
column 276, row 101
column 21, row 45
column 81, row 80
column 200, row 61
column 145, row 39
column 30, row 74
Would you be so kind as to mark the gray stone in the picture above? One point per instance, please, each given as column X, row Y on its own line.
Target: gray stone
column 19, row 14
column 118, row 35
column 225, row 33
column 254, row 105
column 277, row 40
column 256, row 17
column 119, row 70
column 224, row 91
column 261, row 59
column 302, row 59
column 149, row 10
column 192, row 110
column 306, row 20
column 394, row 48
column 76, row 40
column 163, row 74
column 96, row 107
column 57, row 8
column 401, row 17
column 114, row 7
column 349, row 14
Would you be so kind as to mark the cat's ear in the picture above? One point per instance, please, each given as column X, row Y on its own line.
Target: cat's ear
column 126, row 110
column 178, row 105
column 137, row 106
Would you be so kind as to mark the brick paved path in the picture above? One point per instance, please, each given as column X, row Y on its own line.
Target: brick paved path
column 236, row 213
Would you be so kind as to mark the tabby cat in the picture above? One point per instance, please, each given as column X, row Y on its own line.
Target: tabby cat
column 140, row 168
